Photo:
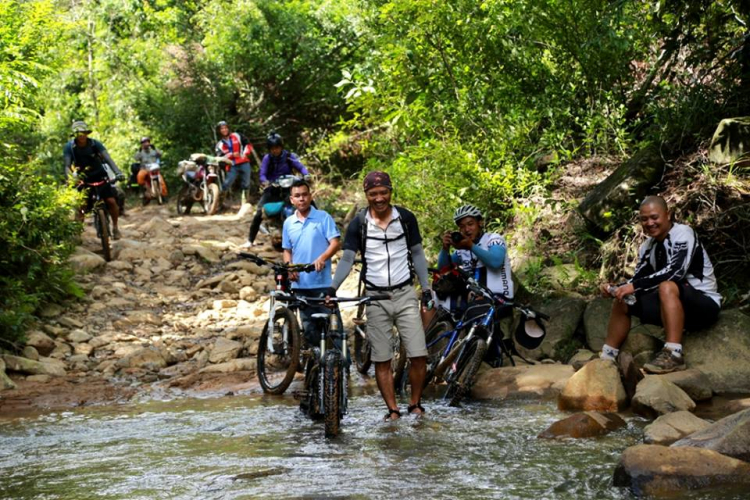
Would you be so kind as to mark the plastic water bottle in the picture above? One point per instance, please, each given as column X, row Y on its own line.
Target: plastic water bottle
column 628, row 299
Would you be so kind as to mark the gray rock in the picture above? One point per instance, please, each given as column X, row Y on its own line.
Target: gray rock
column 84, row 261
column 146, row 358
column 224, row 350
column 653, row 470
column 234, row 365
column 523, row 381
column 30, row 353
column 722, row 352
column 41, row 342
column 40, row 379
column 672, row 427
column 566, row 313
column 694, row 382
column 45, row 366
column 657, row 396
column 584, row 425
column 70, row 322
column 5, row 381
column 731, row 140
column 78, row 336
column 729, row 436
column 616, row 198
column 596, row 386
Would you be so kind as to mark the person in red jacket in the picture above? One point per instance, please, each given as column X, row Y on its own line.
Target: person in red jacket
column 237, row 148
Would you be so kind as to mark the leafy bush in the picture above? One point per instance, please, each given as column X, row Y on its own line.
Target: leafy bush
column 36, row 234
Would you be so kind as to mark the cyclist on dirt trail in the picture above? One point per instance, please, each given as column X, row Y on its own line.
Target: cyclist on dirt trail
column 276, row 163
column 85, row 160
column 236, row 147
column 483, row 255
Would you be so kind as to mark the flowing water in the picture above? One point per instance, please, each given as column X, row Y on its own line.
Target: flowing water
column 262, row 447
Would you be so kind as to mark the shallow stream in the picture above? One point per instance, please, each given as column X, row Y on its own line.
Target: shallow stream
column 246, row 447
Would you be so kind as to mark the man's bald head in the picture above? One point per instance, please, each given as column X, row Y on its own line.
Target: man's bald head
column 656, row 201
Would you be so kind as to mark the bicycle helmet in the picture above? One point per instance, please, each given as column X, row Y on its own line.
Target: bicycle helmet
column 466, row 211
column 274, row 139
column 79, row 126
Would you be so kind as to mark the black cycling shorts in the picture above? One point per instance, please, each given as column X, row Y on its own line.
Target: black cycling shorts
column 106, row 190
column 700, row 310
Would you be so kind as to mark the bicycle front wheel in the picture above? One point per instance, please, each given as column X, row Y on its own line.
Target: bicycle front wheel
column 466, row 370
column 332, row 393
column 278, row 362
column 101, row 222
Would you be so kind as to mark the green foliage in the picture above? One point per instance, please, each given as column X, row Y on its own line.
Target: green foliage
column 36, row 231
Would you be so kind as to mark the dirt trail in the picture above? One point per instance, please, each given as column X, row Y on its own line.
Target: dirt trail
column 174, row 313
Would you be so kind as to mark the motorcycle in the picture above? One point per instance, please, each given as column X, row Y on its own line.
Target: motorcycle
column 154, row 190
column 276, row 212
column 203, row 176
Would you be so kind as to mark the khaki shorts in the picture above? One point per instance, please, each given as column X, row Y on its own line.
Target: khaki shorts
column 403, row 312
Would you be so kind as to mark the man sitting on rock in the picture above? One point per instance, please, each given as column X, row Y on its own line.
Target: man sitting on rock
column 674, row 287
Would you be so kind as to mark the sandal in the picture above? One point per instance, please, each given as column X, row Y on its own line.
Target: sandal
column 391, row 412
column 411, row 408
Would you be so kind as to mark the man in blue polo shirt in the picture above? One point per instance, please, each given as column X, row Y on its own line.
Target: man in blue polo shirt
column 309, row 236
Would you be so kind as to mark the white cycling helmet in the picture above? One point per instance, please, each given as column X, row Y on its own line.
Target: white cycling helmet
column 466, row 211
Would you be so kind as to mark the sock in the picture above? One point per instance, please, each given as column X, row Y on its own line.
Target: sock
column 609, row 352
column 675, row 348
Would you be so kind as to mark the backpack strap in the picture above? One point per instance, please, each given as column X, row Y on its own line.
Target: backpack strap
column 362, row 219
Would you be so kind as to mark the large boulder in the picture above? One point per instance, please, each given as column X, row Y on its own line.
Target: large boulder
column 224, row 350
column 596, row 386
column 41, row 342
column 566, row 313
column 731, row 141
column 45, row 366
column 729, row 436
column 694, row 382
column 84, row 261
column 614, row 200
column 545, row 381
column 672, row 427
column 655, row 396
column 722, row 352
column 5, row 381
column 584, row 425
column 653, row 470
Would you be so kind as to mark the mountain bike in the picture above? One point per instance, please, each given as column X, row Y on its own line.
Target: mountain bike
column 100, row 215
column 326, row 387
column 279, row 343
column 461, row 358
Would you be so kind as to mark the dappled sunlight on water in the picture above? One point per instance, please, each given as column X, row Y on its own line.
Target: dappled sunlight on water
column 252, row 447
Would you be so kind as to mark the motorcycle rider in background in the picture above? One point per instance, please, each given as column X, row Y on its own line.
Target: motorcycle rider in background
column 276, row 163
column 146, row 155
column 85, row 159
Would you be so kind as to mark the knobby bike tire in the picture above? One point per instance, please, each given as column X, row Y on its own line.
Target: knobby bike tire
column 183, row 206
column 212, row 200
column 276, row 369
column 362, row 350
column 398, row 363
column 332, row 393
column 434, row 352
column 467, row 370
column 440, row 369
column 103, row 230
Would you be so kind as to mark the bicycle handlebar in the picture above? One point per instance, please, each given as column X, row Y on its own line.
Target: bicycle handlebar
column 300, row 268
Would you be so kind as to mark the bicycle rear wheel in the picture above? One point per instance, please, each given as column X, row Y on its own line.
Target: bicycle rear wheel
column 277, row 366
column 101, row 222
column 362, row 349
column 398, row 363
column 467, row 367
column 332, row 392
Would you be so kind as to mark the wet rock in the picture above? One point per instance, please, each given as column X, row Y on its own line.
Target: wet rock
column 224, row 350
column 5, row 381
column 78, row 335
column 729, row 436
column 671, row 427
column 30, row 353
column 41, row 342
column 596, row 386
column 722, row 352
column 653, row 470
column 146, row 358
column 84, row 261
column 545, row 381
column 235, row 365
column 567, row 313
column 584, row 425
column 45, row 366
column 656, row 396
column 694, row 382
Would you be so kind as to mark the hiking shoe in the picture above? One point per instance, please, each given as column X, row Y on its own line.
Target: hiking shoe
column 116, row 234
column 665, row 362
